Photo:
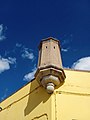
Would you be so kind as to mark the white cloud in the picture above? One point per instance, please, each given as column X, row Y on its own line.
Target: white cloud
column 5, row 63
column 67, row 38
column 5, row 94
column 18, row 45
column 28, row 77
column 64, row 50
column 27, row 54
column 2, row 37
column 82, row 64
column 12, row 60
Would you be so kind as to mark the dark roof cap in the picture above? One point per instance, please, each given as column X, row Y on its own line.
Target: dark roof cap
column 47, row 39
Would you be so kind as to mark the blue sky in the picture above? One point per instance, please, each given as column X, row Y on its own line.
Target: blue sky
column 23, row 23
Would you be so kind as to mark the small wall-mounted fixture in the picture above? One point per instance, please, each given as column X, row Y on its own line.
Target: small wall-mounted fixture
column 50, row 73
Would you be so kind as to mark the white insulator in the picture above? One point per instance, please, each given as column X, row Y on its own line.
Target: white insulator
column 50, row 87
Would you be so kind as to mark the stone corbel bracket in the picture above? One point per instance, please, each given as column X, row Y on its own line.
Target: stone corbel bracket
column 50, row 77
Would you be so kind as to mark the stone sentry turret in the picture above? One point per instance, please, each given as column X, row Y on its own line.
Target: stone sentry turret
column 50, row 72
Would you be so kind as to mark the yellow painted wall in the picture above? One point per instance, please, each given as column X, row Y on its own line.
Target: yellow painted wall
column 71, row 101
column 73, row 98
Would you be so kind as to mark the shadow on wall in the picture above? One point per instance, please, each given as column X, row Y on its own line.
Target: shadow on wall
column 37, row 96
